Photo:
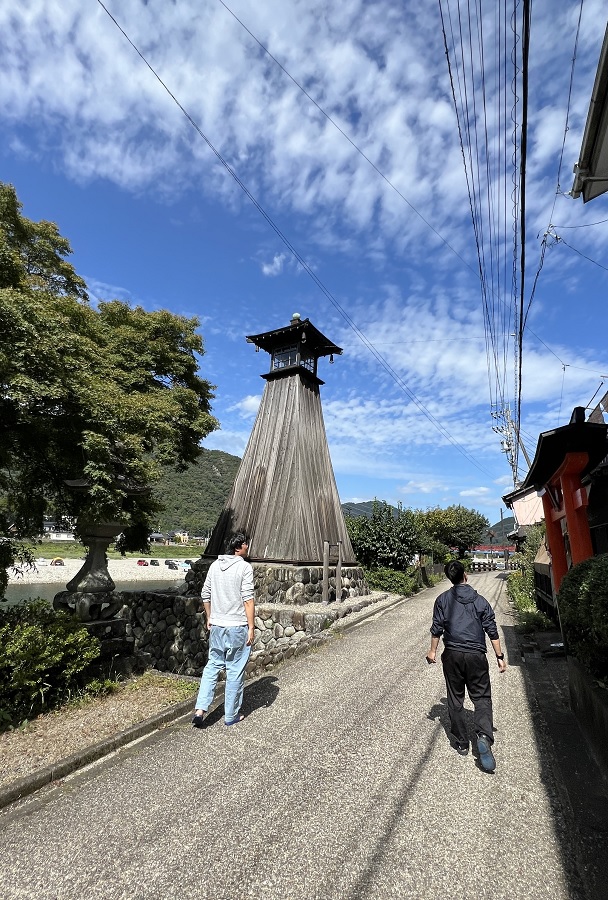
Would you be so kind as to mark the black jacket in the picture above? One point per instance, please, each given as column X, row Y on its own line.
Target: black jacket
column 464, row 618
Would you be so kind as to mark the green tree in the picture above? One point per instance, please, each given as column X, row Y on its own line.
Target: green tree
column 108, row 394
column 455, row 527
column 387, row 539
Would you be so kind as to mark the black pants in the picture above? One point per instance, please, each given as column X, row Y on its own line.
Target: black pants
column 468, row 670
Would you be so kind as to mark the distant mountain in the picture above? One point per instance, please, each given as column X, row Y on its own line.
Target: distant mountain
column 194, row 499
column 362, row 509
column 499, row 531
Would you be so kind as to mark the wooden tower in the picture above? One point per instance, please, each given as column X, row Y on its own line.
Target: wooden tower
column 285, row 495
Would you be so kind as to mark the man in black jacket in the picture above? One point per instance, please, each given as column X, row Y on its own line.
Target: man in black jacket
column 464, row 618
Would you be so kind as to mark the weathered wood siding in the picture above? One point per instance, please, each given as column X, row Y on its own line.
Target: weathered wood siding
column 285, row 493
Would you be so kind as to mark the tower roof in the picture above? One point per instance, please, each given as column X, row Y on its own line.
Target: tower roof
column 298, row 330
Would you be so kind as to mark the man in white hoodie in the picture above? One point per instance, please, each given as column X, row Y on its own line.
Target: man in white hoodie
column 228, row 600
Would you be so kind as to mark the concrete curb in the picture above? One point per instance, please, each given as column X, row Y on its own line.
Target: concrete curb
column 63, row 767
column 27, row 785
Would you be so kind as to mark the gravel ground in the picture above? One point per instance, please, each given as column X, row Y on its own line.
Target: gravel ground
column 120, row 570
column 58, row 734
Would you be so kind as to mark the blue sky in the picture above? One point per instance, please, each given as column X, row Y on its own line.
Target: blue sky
column 92, row 141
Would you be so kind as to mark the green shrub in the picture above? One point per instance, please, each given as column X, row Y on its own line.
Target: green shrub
column 383, row 579
column 583, row 610
column 520, row 585
column 44, row 656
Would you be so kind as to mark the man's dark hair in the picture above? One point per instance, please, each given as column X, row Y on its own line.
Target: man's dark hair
column 455, row 571
column 236, row 541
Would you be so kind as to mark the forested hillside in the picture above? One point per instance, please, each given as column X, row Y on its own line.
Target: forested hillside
column 500, row 531
column 194, row 499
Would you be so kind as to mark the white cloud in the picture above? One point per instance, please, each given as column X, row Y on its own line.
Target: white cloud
column 247, row 407
column 228, row 440
column 478, row 493
column 422, row 487
column 99, row 290
column 276, row 266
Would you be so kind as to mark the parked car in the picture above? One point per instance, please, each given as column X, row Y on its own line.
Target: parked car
column 142, row 562
column 57, row 561
column 171, row 564
column 188, row 562
column 168, row 562
column 154, row 562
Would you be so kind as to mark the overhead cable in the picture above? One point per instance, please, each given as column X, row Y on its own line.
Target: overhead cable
column 307, row 268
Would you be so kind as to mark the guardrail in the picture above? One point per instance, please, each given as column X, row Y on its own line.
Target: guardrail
column 477, row 566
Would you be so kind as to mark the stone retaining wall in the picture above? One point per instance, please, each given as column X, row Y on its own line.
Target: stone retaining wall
column 171, row 633
column 298, row 585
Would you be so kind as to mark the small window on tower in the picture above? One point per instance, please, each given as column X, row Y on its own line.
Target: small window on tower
column 285, row 356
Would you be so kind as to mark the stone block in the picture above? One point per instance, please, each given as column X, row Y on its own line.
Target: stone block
column 302, row 575
column 298, row 620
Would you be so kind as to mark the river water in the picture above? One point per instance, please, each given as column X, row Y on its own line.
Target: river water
column 18, row 593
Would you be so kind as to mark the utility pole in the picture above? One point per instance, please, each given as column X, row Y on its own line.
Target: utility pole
column 511, row 437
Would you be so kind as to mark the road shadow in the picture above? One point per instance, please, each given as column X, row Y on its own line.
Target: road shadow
column 439, row 713
column 259, row 694
column 574, row 784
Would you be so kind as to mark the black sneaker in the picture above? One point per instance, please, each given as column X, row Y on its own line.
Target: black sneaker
column 461, row 749
column 198, row 722
column 486, row 757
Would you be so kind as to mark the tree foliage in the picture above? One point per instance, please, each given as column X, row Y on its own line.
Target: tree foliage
column 107, row 394
column 456, row 527
column 385, row 540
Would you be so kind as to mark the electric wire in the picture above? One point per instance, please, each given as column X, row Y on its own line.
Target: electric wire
column 327, row 293
column 583, row 225
column 588, row 258
column 345, row 134
column 507, row 312
column 477, row 63
column 525, row 51
column 558, row 191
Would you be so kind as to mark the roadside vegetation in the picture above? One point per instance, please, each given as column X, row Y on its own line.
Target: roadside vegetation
column 520, row 585
column 583, row 608
column 48, row 660
column 388, row 543
column 45, row 659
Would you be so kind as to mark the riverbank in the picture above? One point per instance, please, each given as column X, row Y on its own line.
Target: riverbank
column 120, row 570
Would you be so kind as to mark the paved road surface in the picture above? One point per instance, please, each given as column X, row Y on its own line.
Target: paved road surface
column 340, row 783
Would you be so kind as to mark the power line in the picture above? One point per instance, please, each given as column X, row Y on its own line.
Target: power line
column 345, row 135
column 506, row 309
column 588, row 258
column 362, row 337
column 525, row 45
column 584, row 225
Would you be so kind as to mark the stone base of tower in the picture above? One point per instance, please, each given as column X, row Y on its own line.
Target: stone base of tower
column 283, row 583
column 298, row 585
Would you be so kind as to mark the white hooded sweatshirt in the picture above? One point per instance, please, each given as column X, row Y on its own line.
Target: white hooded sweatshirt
column 228, row 584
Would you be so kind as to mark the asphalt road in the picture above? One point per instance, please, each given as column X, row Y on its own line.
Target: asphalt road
column 340, row 783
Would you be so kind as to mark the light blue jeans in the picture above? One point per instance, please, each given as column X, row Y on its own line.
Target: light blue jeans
column 227, row 650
